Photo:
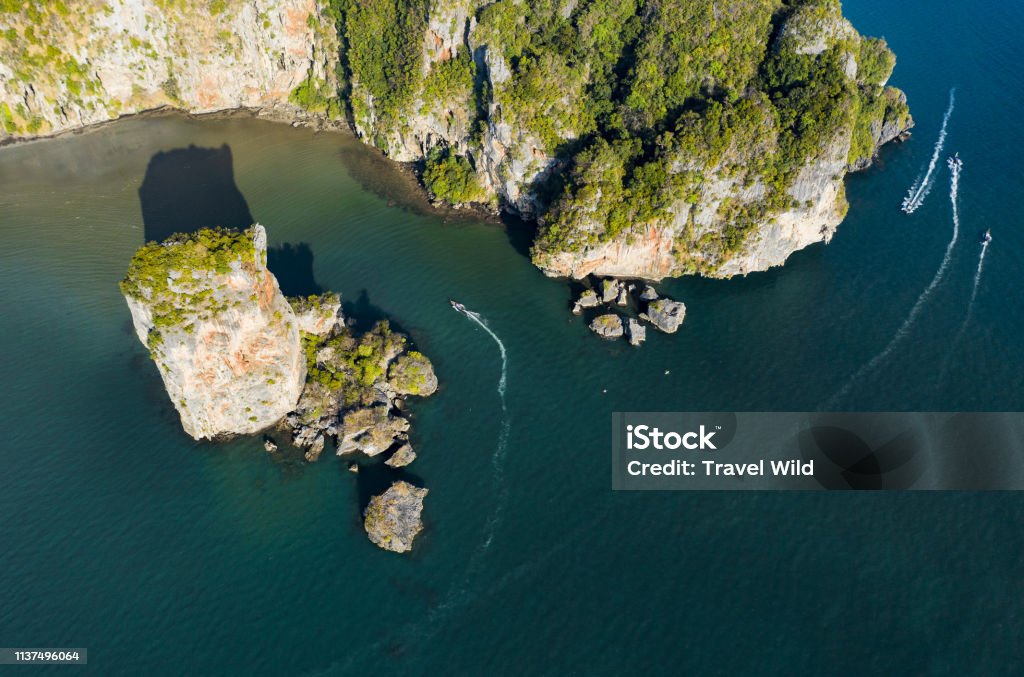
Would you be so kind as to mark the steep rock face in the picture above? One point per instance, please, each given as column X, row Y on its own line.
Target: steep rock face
column 70, row 63
column 680, row 158
column 224, row 338
column 741, row 186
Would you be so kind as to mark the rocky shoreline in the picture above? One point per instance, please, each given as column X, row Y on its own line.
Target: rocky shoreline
column 626, row 309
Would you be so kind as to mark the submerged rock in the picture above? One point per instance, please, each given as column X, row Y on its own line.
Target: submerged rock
column 665, row 314
column 636, row 332
column 225, row 340
column 392, row 520
column 402, row 457
column 607, row 326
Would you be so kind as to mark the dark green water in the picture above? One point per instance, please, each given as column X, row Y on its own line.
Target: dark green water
column 164, row 556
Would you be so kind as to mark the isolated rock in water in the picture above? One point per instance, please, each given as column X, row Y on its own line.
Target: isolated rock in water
column 269, row 445
column 588, row 299
column 318, row 315
column 649, row 294
column 225, row 340
column 610, row 290
column 412, row 374
column 665, row 314
column 402, row 457
column 637, row 332
column 392, row 520
column 607, row 326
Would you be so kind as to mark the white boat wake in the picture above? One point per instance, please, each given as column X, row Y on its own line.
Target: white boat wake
column 923, row 185
column 967, row 317
column 498, row 459
column 901, row 333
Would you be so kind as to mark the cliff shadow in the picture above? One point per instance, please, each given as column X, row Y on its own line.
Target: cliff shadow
column 186, row 189
column 520, row 233
column 292, row 265
column 363, row 315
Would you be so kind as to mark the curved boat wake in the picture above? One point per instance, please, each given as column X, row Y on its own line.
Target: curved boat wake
column 498, row 459
column 458, row 593
column 901, row 333
column 923, row 185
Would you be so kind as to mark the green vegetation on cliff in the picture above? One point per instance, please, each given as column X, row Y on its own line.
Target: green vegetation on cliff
column 451, row 178
column 169, row 276
column 351, row 364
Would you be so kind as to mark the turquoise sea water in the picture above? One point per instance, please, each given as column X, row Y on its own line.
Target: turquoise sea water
column 165, row 556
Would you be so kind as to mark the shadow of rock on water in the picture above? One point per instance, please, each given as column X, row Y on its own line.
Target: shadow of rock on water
column 186, row 189
column 364, row 314
column 375, row 478
column 292, row 265
column 520, row 233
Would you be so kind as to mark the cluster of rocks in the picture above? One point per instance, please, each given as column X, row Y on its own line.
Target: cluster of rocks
column 238, row 358
column 663, row 313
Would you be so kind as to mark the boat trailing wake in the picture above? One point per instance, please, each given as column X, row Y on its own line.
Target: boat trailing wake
column 498, row 459
column 901, row 333
column 923, row 185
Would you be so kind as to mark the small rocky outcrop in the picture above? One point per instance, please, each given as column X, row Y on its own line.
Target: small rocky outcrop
column 610, row 290
column 318, row 315
column 665, row 314
column 412, row 374
column 608, row 326
column 636, row 332
column 402, row 457
column 356, row 391
column 649, row 293
column 225, row 340
column 392, row 519
column 588, row 299
column 371, row 430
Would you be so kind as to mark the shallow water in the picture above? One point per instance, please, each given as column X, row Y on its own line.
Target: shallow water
column 162, row 555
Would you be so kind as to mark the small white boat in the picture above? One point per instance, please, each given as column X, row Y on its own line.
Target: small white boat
column 459, row 308
column 986, row 237
column 955, row 162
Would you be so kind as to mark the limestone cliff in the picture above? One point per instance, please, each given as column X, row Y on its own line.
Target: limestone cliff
column 69, row 63
column 224, row 338
column 649, row 139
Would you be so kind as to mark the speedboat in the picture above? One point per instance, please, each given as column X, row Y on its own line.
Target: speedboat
column 955, row 162
column 986, row 237
column 459, row 308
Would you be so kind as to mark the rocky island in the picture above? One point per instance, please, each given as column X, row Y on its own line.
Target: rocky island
column 237, row 358
column 647, row 139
